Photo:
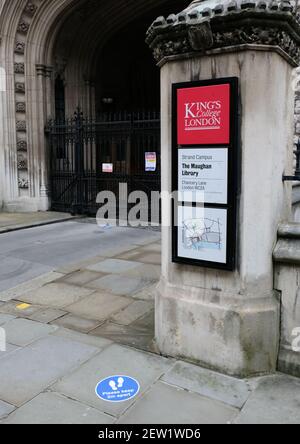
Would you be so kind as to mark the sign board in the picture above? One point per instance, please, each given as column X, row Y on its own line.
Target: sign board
column 107, row 168
column 204, row 165
column 206, row 170
column 118, row 388
column 150, row 162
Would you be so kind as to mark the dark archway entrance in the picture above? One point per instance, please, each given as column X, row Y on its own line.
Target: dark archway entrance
column 117, row 137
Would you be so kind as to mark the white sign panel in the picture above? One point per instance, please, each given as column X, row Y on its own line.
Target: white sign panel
column 204, row 170
column 107, row 168
column 150, row 162
column 202, row 234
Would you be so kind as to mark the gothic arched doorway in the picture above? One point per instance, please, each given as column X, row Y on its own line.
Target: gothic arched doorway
column 115, row 137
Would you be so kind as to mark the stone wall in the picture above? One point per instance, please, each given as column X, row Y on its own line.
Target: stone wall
column 287, row 283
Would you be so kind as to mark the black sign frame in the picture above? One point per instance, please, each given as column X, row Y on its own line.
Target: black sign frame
column 233, row 174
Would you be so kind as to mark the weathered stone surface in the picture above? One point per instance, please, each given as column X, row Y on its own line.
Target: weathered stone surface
column 16, row 292
column 213, row 385
column 120, row 285
column 47, row 315
column 4, row 318
column 5, row 409
column 56, row 295
column 80, row 277
column 53, row 408
column 23, row 332
column 25, row 373
column 132, row 313
column 77, row 323
column 80, row 385
column 287, row 251
column 112, row 266
column 14, row 271
column 206, row 25
column 133, row 335
column 99, row 306
column 9, row 349
column 276, row 400
column 147, row 257
column 149, row 271
column 13, row 308
column 95, row 341
column 165, row 404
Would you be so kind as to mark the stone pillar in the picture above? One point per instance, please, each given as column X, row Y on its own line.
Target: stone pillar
column 229, row 321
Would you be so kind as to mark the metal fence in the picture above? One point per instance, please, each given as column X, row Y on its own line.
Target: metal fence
column 88, row 156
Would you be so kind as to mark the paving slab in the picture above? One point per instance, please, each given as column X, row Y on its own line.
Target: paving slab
column 31, row 285
column 10, row 348
column 4, row 318
column 19, row 221
column 114, row 360
column 95, row 341
column 23, row 332
column 150, row 236
column 112, row 266
column 147, row 257
column 120, row 285
column 127, row 335
column 76, row 323
column 81, row 277
column 154, row 248
column 165, row 404
column 53, row 408
column 5, row 409
column 151, row 272
column 18, row 309
column 73, row 267
column 111, row 252
column 276, row 400
column 28, row 371
column 47, row 315
column 208, row 383
column 132, row 313
column 147, row 293
column 99, row 306
column 14, row 271
column 57, row 295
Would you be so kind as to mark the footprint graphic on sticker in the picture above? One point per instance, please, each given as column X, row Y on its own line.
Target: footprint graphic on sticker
column 113, row 385
column 120, row 382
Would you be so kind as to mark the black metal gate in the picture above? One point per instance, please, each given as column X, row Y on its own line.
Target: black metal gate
column 89, row 156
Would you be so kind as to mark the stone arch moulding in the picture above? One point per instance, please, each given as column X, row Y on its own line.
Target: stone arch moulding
column 32, row 28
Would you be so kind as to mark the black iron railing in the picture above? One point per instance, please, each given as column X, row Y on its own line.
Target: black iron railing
column 79, row 147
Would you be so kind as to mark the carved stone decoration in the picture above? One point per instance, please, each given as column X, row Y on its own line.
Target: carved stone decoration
column 19, row 68
column 22, row 145
column 271, row 23
column 20, row 47
column 23, row 182
column 21, row 107
column 30, row 8
column 20, row 87
column 23, row 27
column 22, row 161
column 21, row 125
column 201, row 37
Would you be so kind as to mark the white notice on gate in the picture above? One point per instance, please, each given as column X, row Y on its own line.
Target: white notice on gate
column 204, row 170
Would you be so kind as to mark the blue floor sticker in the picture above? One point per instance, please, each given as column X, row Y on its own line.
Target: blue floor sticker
column 117, row 388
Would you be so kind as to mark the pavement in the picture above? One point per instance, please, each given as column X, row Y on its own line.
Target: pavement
column 87, row 314
column 19, row 221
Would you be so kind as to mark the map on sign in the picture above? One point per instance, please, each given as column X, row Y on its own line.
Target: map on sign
column 202, row 233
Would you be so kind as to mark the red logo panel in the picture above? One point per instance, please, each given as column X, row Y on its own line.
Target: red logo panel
column 204, row 115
